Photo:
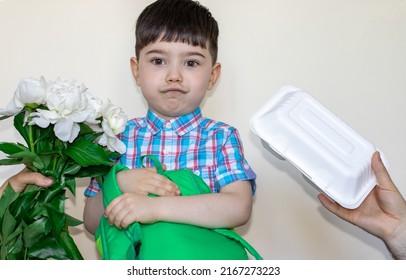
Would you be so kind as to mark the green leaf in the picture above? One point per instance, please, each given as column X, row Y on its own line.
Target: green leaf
column 54, row 211
column 71, row 185
column 21, row 127
column 71, row 170
column 30, row 159
column 11, row 148
column 25, row 200
column 9, row 195
column 48, row 248
column 8, row 225
column 85, row 129
column 59, row 247
column 13, row 161
column 87, row 153
column 35, row 231
column 93, row 171
column 90, row 137
column 24, row 154
column 38, row 163
column 70, row 246
column 39, row 210
column 72, row 222
column 54, row 191
column 44, row 133
column 47, row 160
column 17, row 232
column 56, row 217
column 13, row 248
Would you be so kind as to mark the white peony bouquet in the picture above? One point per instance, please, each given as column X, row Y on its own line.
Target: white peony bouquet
column 68, row 134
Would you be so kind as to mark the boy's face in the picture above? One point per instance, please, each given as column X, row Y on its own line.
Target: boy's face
column 174, row 77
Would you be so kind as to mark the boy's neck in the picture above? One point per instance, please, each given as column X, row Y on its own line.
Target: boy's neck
column 169, row 118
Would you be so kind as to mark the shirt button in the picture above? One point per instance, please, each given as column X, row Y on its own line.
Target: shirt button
column 246, row 166
column 168, row 125
column 197, row 172
column 165, row 151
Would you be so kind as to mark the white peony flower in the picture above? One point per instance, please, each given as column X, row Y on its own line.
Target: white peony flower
column 94, row 106
column 113, row 123
column 67, row 106
column 29, row 92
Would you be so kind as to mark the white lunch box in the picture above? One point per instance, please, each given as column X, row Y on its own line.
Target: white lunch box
column 325, row 149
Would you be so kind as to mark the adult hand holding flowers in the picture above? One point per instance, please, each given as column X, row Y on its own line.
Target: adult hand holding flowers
column 69, row 134
column 26, row 177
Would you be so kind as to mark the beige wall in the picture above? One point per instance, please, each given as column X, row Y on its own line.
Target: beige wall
column 350, row 54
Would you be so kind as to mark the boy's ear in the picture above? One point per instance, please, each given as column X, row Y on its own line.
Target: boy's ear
column 135, row 69
column 215, row 74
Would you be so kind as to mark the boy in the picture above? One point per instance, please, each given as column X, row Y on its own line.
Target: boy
column 175, row 64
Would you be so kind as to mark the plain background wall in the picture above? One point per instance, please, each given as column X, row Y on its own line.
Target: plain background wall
column 350, row 54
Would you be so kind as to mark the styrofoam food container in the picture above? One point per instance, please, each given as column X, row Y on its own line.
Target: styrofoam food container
column 333, row 156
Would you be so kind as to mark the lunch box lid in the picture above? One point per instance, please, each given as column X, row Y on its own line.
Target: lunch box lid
column 327, row 151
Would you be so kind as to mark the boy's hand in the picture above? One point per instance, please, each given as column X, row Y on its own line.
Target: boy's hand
column 135, row 205
column 146, row 181
column 131, row 207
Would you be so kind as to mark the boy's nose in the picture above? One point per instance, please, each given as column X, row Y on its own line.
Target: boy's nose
column 174, row 76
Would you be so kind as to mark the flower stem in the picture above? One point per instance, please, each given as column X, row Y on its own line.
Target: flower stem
column 30, row 133
column 32, row 147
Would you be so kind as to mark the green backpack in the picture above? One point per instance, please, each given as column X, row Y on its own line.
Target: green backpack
column 165, row 240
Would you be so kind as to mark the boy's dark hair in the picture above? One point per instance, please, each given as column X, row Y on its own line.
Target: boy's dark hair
column 185, row 21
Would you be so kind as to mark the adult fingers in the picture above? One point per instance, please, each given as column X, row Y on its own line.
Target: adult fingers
column 335, row 208
column 381, row 173
column 25, row 177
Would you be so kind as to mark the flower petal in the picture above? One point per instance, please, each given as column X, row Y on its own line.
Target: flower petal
column 112, row 143
column 64, row 129
column 40, row 121
column 11, row 109
column 74, row 133
column 119, row 146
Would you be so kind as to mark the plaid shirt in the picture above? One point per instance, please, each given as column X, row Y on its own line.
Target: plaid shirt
column 211, row 149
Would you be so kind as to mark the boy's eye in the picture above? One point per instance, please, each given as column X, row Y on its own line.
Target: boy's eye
column 157, row 61
column 192, row 63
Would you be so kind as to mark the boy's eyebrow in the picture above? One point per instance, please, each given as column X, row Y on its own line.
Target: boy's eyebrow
column 157, row 51
column 195, row 53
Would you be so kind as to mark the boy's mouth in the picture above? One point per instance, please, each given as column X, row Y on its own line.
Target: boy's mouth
column 174, row 90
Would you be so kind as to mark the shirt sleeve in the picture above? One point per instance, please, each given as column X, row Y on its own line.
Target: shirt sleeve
column 93, row 188
column 232, row 165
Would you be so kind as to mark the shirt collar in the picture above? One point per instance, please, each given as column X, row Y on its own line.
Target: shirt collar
column 181, row 125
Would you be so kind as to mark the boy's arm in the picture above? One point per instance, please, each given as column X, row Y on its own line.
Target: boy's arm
column 227, row 209
column 93, row 212
column 141, row 181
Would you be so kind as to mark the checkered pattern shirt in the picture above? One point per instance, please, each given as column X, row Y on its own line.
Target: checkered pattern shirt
column 211, row 149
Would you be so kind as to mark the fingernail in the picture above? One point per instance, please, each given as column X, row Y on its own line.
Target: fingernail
column 47, row 181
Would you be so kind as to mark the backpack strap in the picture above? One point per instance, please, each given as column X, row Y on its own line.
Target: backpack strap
column 155, row 160
column 231, row 233
column 114, row 243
